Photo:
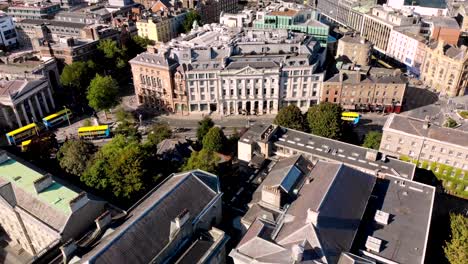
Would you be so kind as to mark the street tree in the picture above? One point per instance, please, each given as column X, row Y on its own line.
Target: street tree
column 126, row 124
column 113, row 53
column 456, row 250
column 325, row 120
column 372, row 140
column 290, row 117
column 214, row 140
column 204, row 126
column 74, row 156
column 102, row 93
column 158, row 133
column 117, row 167
column 204, row 160
column 450, row 122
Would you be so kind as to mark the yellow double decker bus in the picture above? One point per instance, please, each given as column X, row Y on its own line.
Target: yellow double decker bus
column 18, row 135
column 57, row 118
column 351, row 117
column 94, row 132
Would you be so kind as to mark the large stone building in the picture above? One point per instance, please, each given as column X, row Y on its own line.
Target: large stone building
column 445, row 68
column 366, row 88
column 422, row 140
column 292, row 16
column 39, row 212
column 173, row 223
column 161, row 26
column 407, row 46
column 355, row 49
column 8, row 37
column 313, row 186
column 232, row 71
column 379, row 23
column 347, row 13
column 41, row 10
column 210, row 10
column 441, row 29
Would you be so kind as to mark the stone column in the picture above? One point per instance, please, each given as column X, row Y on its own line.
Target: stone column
column 38, row 105
column 32, row 110
column 243, row 106
column 45, row 101
column 260, row 107
column 252, row 107
column 51, row 98
column 236, row 106
column 18, row 119
column 24, row 113
column 268, row 107
column 7, row 118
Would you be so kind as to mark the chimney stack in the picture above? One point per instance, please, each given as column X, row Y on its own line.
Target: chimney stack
column 103, row 220
column 312, row 217
column 426, row 123
column 67, row 250
column 178, row 223
column 297, row 252
column 43, row 183
column 272, row 196
column 78, row 202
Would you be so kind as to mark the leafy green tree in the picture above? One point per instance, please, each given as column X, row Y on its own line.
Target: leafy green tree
column 75, row 75
column 290, row 117
column 325, row 120
column 158, row 133
column 102, row 93
column 126, row 124
column 204, row 160
column 113, row 53
column 142, row 42
column 372, row 140
column 204, row 126
column 450, row 122
column 191, row 17
column 456, row 250
column 42, row 147
column 117, row 167
column 214, row 140
column 74, row 156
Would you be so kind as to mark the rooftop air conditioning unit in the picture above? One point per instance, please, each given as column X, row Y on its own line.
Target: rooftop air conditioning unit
column 373, row 244
column 381, row 217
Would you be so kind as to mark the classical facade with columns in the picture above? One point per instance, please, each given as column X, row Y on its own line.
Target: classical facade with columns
column 25, row 101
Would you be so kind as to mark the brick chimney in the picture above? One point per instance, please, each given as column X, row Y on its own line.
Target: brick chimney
column 272, row 196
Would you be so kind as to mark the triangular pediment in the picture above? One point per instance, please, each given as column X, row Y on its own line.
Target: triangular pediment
column 248, row 70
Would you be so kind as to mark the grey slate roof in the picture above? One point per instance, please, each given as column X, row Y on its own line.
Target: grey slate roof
column 339, row 193
column 414, row 127
column 51, row 22
column 146, row 232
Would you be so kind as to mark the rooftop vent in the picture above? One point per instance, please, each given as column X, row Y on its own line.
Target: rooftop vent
column 373, row 244
column 381, row 217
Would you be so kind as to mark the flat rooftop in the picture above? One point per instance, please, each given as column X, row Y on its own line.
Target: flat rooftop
column 335, row 150
column 22, row 176
column 409, row 204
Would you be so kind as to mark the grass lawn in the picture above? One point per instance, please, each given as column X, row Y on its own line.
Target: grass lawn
column 454, row 180
column 463, row 114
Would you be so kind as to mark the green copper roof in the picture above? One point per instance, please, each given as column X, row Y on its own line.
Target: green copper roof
column 56, row 195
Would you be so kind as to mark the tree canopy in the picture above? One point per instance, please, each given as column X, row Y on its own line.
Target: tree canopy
column 74, row 156
column 450, row 122
column 204, row 126
column 117, row 167
column 158, row 133
column 325, row 120
column 75, row 75
column 102, row 93
column 189, row 19
column 126, row 124
column 290, row 117
column 214, row 140
column 372, row 140
column 204, row 160
column 456, row 250
column 113, row 53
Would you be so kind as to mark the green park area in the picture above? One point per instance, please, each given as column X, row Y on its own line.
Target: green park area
column 454, row 180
